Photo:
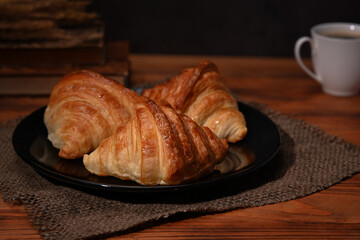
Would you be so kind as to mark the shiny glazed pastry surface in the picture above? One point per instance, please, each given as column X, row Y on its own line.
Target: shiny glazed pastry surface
column 85, row 108
column 157, row 146
column 201, row 94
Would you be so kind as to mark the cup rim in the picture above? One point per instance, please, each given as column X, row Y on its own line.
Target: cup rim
column 315, row 30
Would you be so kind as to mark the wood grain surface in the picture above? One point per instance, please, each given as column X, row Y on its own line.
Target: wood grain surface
column 333, row 213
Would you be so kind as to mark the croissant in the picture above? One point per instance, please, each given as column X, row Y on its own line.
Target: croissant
column 157, row 146
column 85, row 108
column 201, row 94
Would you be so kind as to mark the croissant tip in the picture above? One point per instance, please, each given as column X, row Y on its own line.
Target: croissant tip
column 238, row 135
column 225, row 143
column 68, row 152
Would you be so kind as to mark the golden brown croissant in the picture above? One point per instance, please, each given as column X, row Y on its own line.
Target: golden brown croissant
column 157, row 146
column 200, row 93
column 85, row 108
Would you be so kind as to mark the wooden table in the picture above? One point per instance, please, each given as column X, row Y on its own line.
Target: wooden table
column 333, row 213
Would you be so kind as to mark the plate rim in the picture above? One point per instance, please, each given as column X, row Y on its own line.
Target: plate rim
column 43, row 169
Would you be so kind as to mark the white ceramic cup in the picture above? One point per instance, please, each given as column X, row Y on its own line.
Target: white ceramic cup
column 335, row 52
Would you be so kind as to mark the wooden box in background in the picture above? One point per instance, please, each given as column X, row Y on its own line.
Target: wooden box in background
column 41, row 41
column 40, row 79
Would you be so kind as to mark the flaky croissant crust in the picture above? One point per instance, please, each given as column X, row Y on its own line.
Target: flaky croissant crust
column 201, row 94
column 85, row 108
column 157, row 146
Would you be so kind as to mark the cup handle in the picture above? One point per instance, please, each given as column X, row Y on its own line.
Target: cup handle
column 297, row 48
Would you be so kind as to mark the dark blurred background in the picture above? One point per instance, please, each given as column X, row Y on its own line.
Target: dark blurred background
column 219, row 27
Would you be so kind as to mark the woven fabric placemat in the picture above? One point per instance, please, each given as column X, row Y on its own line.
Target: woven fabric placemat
column 309, row 160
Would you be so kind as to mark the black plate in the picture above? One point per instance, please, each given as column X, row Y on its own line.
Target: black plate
column 30, row 143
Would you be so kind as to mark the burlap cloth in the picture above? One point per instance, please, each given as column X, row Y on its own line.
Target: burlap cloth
column 309, row 160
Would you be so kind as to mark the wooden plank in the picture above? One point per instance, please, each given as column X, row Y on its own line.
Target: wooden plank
column 330, row 214
column 333, row 213
column 40, row 79
column 46, row 57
